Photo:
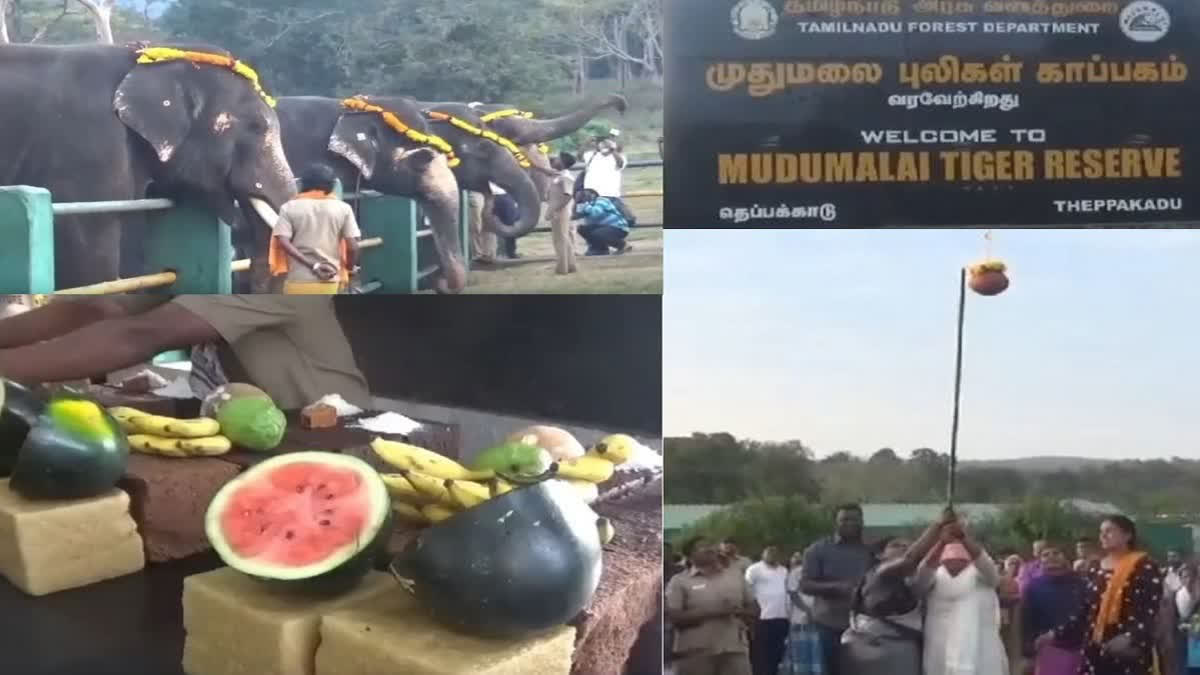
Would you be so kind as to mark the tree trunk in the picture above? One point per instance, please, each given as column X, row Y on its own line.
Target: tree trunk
column 580, row 71
column 4, row 22
column 101, row 11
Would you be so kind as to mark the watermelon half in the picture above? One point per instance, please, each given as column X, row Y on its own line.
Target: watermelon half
column 310, row 521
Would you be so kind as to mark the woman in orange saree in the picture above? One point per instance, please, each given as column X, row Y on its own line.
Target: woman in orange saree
column 1119, row 617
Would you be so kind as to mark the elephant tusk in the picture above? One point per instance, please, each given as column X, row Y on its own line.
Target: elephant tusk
column 264, row 211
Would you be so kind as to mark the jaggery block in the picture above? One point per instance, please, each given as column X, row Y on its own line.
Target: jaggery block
column 170, row 497
column 319, row 416
column 392, row 634
column 53, row 545
column 239, row 626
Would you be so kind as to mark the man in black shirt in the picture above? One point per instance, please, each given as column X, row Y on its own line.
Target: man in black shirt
column 832, row 570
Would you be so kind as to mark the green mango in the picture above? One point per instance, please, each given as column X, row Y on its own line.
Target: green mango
column 514, row 458
column 253, row 423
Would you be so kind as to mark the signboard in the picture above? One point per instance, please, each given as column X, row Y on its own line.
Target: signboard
column 876, row 113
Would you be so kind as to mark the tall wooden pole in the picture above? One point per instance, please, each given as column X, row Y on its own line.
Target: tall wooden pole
column 958, row 358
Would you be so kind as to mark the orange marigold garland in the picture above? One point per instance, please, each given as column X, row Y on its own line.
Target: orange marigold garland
column 152, row 55
column 513, row 112
column 361, row 104
column 483, row 133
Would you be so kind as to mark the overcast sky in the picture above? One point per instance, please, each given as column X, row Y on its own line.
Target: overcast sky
column 845, row 340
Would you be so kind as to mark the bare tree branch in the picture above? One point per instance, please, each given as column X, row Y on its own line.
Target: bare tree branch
column 4, row 22
column 41, row 32
column 101, row 11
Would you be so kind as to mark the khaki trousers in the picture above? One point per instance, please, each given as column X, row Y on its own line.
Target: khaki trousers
column 559, row 214
column 483, row 242
column 714, row 664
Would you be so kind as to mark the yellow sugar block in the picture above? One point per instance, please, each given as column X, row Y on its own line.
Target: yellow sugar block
column 391, row 634
column 237, row 625
column 52, row 545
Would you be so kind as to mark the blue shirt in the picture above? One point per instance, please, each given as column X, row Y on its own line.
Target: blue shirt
column 602, row 211
column 1048, row 602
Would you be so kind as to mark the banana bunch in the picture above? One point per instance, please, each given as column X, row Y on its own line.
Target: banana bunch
column 171, row 437
column 424, row 499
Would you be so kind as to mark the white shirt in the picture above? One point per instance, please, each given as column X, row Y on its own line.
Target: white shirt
column 799, row 614
column 769, row 586
column 603, row 174
column 1172, row 582
column 1184, row 603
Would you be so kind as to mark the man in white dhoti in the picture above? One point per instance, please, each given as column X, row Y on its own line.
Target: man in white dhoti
column 962, row 610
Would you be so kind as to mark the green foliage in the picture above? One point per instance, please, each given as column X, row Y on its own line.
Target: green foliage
column 1018, row 526
column 720, row 469
column 792, row 523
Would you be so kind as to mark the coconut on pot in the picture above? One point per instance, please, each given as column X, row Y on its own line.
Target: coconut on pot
column 558, row 442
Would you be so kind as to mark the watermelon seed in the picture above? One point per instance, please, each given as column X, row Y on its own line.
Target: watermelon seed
column 289, row 535
column 324, row 522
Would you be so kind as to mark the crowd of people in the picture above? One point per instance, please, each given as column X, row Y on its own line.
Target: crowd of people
column 936, row 605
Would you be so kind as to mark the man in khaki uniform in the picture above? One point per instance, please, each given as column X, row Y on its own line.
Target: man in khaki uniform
column 708, row 605
column 291, row 347
column 483, row 240
column 318, row 237
column 558, row 212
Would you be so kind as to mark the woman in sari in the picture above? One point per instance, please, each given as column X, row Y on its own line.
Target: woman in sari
column 885, row 633
column 1121, row 602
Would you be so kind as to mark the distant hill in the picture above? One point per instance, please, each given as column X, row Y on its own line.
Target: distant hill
column 1036, row 465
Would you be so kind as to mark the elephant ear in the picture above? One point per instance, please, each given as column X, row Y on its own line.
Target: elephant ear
column 155, row 106
column 356, row 137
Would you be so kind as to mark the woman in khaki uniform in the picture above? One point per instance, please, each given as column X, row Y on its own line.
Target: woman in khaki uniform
column 708, row 604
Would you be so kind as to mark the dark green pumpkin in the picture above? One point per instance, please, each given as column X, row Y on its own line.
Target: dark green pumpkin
column 21, row 407
column 73, row 450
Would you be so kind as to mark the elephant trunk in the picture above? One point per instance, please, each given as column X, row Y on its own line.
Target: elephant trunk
column 520, row 186
column 440, row 202
column 523, row 131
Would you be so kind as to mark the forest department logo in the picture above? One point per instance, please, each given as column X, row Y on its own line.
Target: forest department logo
column 753, row 19
column 1144, row 21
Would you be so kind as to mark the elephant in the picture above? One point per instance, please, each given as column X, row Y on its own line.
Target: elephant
column 484, row 163
column 91, row 123
column 524, row 130
column 366, row 153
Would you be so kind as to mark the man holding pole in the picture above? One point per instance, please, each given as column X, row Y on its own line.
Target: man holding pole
column 832, row 569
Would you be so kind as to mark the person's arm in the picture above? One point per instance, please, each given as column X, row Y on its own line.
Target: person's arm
column 283, row 233
column 678, row 613
column 916, row 552
column 812, row 577
column 59, row 317
column 1027, row 612
column 106, row 345
column 620, row 157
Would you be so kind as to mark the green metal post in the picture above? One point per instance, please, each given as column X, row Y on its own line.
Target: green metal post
column 26, row 240
column 194, row 243
column 394, row 264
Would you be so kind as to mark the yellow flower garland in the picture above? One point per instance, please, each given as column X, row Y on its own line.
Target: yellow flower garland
column 151, row 55
column 513, row 112
column 483, row 133
column 507, row 112
column 360, row 104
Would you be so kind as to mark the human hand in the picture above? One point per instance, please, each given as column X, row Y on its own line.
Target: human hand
column 325, row 271
column 1121, row 646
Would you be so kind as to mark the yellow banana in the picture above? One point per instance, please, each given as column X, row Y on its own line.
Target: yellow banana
column 409, row 513
column 436, row 513
column 400, row 488
column 156, row 445
column 467, row 494
column 607, row 532
column 591, row 469
column 412, row 458
column 170, row 427
column 617, row 448
column 179, row 447
column 433, row 488
column 499, row 486
column 209, row 446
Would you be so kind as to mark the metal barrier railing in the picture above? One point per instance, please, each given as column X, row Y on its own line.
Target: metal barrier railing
column 192, row 247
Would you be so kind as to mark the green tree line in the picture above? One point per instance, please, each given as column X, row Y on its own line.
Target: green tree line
column 718, row 468
column 486, row 50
